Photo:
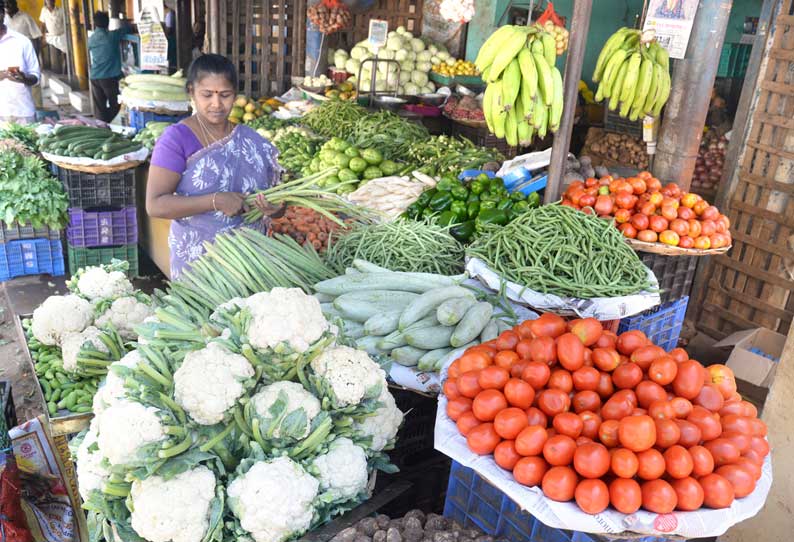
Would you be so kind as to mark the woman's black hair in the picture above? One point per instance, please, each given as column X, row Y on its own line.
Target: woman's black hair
column 211, row 64
column 101, row 19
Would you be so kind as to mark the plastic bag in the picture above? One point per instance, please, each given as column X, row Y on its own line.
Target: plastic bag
column 550, row 15
column 13, row 526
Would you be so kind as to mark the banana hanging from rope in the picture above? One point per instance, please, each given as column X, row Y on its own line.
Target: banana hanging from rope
column 633, row 74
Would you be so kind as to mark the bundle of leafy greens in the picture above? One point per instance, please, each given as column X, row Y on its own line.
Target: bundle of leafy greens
column 29, row 194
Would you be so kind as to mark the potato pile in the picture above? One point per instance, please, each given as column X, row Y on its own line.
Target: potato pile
column 624, row 149
column 416, row 526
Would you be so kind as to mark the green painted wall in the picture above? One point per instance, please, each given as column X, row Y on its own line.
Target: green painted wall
column 740, row 10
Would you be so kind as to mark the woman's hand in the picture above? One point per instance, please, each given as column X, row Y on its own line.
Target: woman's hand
column 229, row 203
column 269, row 209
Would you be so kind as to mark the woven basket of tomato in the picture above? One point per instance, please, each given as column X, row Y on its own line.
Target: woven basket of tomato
column 652, row 217
column 574, row 414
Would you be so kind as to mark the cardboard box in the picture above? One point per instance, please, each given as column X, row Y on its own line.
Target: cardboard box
column 749, row 366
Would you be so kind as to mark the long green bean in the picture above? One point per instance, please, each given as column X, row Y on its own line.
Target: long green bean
column 334, row 118
column 563, row 252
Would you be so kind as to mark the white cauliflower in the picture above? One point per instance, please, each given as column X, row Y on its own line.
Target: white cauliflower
column 124, row 314
column 285, row 315
column 273, row 500
column 95, row 283
column 112, row 390
column 147, row 320
column 124, row 428
column 59, row 315
column 173, row 510
column 73, row 342
column 235, row 302
column 351, row 373
column 384, row 424
column 91, row 474
column 209, row 382
column 342, row 471
column 297, row 398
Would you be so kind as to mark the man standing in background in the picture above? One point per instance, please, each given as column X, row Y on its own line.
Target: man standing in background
column 19, row 71
column 22, row 23
column 104, row 48
column 52, row 19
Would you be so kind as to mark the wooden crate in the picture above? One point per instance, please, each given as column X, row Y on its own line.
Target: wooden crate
column 407, row 13
column 752, row 285
column 266, row 40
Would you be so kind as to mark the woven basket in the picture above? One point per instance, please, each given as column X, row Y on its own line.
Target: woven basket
column 468, row 122
column 667, row 250
column 96, row 170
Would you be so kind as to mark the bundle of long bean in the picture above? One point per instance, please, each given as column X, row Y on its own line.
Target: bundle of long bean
column 402, row 245
column 304, row 192
column 240, row 263
column 334, row 118
column 387, row 132
column 444, row 154
column 558, row 250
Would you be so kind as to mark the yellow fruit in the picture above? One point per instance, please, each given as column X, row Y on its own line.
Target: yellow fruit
column 249, row 107
column 248, row 117
column 241, row 101
column 237, row 112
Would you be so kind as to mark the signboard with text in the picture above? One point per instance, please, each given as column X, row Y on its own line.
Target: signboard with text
column 672, row 21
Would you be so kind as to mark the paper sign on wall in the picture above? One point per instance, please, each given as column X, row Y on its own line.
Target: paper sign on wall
column 154, row 44
column 378, row 32
column 672, row 21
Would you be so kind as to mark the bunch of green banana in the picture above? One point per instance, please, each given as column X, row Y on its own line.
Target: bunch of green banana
column 524, row 92
column 633, row 74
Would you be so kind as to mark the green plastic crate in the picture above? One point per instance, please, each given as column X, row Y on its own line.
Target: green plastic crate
column 734, row 60
column 83, row 257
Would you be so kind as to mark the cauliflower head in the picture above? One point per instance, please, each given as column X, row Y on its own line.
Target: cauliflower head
column 147, row 320
column 59, row 315
column 383, row 425
column 124, row 428
column 209, row 382
column 173, row 510
column 273, row 500
column 124, row 314
column 296, row 397
column 113, row 388
column 285, row 315
column 73, row 342
column 235, row 302
column 351, row 373
column 91, row 473
column 96, row 283
column 342, row 471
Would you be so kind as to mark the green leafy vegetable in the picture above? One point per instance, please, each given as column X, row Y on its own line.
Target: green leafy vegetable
column 29, row 194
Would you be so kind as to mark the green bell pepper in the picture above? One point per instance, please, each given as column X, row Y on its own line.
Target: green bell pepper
column 414, row 210
column 533, row 200
column 441, row 201
column 459, row 209
column 446, row 218
column 504, row 204
column 473, row 209
column 491, row 216
column 424, row 197
column 496, row 183
column 517, row 196
column 428, row 213
column 488, row 196
column 463, row 232
column 483, row 178
column 445, row 184
column 519, row 207
column 459, row 192
column 487, row 204
column 472, row 197
column 477, row 187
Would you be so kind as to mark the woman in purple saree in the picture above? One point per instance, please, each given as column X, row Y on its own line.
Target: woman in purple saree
column 203, row 167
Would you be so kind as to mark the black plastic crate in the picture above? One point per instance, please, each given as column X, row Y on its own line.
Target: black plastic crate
column 428, row 490
column 15, row 232
column 87, row 190
column 674, row 273
column 483, row 138
column 617, row 124
column 415, row 440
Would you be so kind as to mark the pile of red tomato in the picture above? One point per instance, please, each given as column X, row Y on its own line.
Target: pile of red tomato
column 645, row 210
column 606, row 419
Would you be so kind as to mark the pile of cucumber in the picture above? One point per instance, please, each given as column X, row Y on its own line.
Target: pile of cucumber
column 87, row 142
column 416, row 319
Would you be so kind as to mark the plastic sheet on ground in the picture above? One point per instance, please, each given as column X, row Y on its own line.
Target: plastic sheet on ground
column 138, row 156
column 702, row 523
column 600, row 308
column 135, row 103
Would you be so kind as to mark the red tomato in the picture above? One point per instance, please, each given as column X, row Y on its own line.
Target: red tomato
column 625, row 495
column 690, row 433
column 531, row 440
column 605, row 387
column 628, row 230
column 629, row 341
column 624, row 463
column 586, row 400
column 454, row 369
column 519, row 393
column 717, row 491
column 487, row 404
column 679, row 225
column 548, row 325
column 542, row 349
column 559, row 449
column 559, row 483
column 588, row 330
column 658, row 223
column 592, row 496
column 529, row 471
column 608, row 433
column 722, row 377
column 591, row 460
column 606, row 359
column 560, row 380
column 505, row 454
column 466, row 422
column 457, row 407
column 678, row 461
column 752, row 468
column 651, row 464
column 627, row 376
column 517, row 369
column 509, row 422
column 660, row 410
column 537, row 374
column 649, row 392
column 552, row 402
column 682, row 407
column 506, row 359
column 689, row 380
column 637, row 433
column 709, row 398
column 468, row 384
column 568, row 423
column 679, row 355
column 482, row 439
column 570, row 351
column 507, row 340
column 658, row 497
column 645, row 355
column 619, row 405
column 759, row 427
column 723, row 451
column 742, row 479
column 493, row 378
column 586, row 379
column 759, row 445
column 667, row 433
column 474, row 361
column 450, row 389
column 708, row 422
column 590, row 424
column 535, row 416
column 663, row 370
column 689, row 494
column 702, row 461
column 607, row 340
column 524, row 330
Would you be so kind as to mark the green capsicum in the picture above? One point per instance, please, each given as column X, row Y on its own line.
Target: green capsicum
column 496, row 183
column 446, row 218
column 445, row 184
column 459, row 192
column 463, row 232
column 491, row 216
column 472, row 197
column 487, row 204
column 488, row 196
column 519, row 207
column 517, row 196
column 441, row 201
column 424, row 197
column 533, row 200
column 428, row 213
column 459, row 209
column 473, row 209
column 504, row 204
column 477, row 187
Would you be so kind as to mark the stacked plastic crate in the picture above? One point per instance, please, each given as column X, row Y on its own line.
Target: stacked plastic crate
column 25, row 250
column 103, row 221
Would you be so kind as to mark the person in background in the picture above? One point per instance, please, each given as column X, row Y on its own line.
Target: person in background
column 169, row 28
column 199, row 30
column 21, row 22
column 54, row 26
column 104, row 48
column 19, row 72
column 203, row 167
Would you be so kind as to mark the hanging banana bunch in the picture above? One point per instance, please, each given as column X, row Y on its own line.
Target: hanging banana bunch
column 633, row 74
column 523, row 97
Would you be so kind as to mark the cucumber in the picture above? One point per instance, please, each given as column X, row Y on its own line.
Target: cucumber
column 472, row 324
column 429, row 361
column 427, row 321
column 367, row 267
column 452, row 310
column 361, row 310
column 429, row 338
column 429, row 302
column 406, row 282
column 329, row 310
column 407, row 355
column 370, row 346
column 502, row 325
column 353, row 330
column 382, row 324
column 351, row 271
column 382, row 296
column 490, row 331
column 322, row 298
column 392, row 341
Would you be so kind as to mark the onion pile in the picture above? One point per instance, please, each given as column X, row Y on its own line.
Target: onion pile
column 330, row 17
column 710, row 161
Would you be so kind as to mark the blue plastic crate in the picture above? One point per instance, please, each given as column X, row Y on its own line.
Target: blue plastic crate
column 31, row 257
column 139, row 119
column 661, row 324
column 473, row 502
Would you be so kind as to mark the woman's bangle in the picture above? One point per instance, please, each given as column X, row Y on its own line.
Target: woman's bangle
column 213, row 202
